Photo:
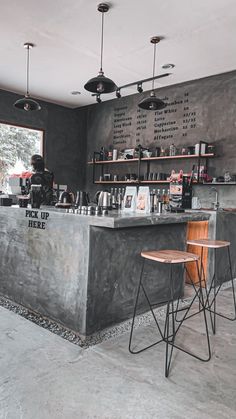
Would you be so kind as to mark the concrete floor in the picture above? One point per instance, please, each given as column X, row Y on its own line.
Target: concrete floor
column 45, row 377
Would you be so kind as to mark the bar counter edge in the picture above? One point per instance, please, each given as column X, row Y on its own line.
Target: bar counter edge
column 82, row 271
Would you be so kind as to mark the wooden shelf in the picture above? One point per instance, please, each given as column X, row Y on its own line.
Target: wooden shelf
column 134, row 182
column 181, row 156
column 219, row 183
column 150, row 159
column 114, row 161
column 153, row 181
column 147, row 182
column 116, row 182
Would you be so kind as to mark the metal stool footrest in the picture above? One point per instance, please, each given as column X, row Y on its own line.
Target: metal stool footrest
column 168, row 336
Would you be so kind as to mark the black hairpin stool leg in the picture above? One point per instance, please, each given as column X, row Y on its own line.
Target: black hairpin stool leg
column 170, row 338
column 134, row 315
column 171, row 258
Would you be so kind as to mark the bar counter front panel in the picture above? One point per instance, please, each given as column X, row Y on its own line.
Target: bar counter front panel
column 83, row 271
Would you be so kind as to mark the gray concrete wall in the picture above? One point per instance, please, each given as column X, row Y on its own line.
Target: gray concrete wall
column 115, row 267
column 45, row 269
column 71, row 136
column 211, row 103
column 81, row 275
column 225, row 229
column 226, row 195
column 65, row 136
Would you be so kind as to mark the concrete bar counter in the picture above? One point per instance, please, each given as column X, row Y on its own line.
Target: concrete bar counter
column 82, row 271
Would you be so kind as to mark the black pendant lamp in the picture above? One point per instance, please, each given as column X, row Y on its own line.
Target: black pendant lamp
column 152, row 103
column 26, row 103
column 101, row 84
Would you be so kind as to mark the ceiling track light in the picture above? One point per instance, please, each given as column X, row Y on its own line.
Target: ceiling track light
column 140, row 88
column 136, row 83
column 101, row 84
column 167, row 66
column 26, row 103
column 152, row 103
column 98, row 98
column 118, row 94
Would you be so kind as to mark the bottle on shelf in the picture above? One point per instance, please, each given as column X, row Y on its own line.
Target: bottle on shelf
column 163, row 196
column 119, row 198
column 102, row 154
column 168, row 200
column 152, row 198
column 162, row 152
column 110, row 153
column 158, row 194
column 155, row 203
column 167, row 197
column 114, row 203
column 172, row 151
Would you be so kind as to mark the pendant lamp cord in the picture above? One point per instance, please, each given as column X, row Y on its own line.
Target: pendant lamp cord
column 102, row 41
column 27, row 72
column 154, row 65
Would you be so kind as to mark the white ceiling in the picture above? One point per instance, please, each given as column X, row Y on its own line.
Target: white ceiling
column 199, row 39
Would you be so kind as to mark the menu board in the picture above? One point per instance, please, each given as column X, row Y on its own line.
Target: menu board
column 177, row 119
column 122, row 125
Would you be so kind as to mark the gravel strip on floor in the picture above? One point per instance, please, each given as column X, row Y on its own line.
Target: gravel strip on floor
column 73, row 337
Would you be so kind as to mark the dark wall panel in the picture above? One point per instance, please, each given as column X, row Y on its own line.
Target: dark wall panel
column 65, row 136
column 197, row 110
column 202, row 109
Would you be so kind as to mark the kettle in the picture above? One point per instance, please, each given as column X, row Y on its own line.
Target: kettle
column 66, row 197
column 104, row 199
column 82, row 199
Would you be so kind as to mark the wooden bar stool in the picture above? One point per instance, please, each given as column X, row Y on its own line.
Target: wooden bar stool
column 171, row 258
column 215, row 283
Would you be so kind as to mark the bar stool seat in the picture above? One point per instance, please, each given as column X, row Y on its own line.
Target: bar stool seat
column 169, row 256
column 212, row 244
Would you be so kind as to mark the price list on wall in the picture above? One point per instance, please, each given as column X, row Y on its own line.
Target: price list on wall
column 122, row 126
column 132, row 127
column 189, row 117
column 176, row 120
column 141, row 125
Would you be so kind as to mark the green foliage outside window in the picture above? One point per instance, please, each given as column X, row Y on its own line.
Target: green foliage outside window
column 17, row 143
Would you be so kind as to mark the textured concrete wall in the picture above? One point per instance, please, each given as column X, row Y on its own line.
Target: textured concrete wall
column 225, row 230
column 211, row 102
column 62, row 271
column 45, row 270
column 114, row 271
column 65, row 136
column 71, row 136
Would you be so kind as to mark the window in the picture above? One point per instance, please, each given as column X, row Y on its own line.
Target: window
column 17, row 145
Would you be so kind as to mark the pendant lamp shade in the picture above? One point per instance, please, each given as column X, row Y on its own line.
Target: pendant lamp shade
column 100, row 83
column 152, row 103
column 26, row 103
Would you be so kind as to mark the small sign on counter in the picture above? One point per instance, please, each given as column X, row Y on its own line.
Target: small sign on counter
column 37, row 219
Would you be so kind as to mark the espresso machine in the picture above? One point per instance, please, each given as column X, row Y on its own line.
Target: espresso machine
column 181, row 195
